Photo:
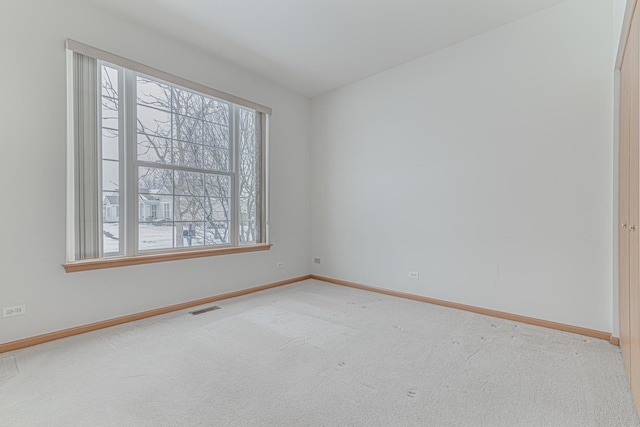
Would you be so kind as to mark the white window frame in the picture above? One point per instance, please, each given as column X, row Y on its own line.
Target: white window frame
column 128, row 189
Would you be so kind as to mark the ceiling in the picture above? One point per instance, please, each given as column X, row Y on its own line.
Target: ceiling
column 314, row 46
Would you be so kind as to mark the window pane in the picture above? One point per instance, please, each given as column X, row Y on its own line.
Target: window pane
column 215, row 160
column 153, row 122
column 187, row 103
column 217, row 185
column 186, row 154
column 248, row 193
column 187, row 129
column 248, row 137
column 110, row 153
column 155, row 236
column 217, row 209
column 189, row 184
column 217, row 233
column 110, row 238
column 148, row 207
column 248, row 143
column 215, row 111
column 153, row 93
column 247, row 231
column 189, row 208
column 247, row 209
column 110, row 175
column 110, row 144
column 247, row 120
column 154, row 149
column 248, row 173
column 248, row 216
column 217, row 135
column 217, row 150
column 167, row 211
column 111, row 207
column 109, row 113
column 109, row 81
column 192, row 234
column 155, row 181
column 110, row 222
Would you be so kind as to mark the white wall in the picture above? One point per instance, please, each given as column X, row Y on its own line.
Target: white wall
column 33, row 173
column 486, row 167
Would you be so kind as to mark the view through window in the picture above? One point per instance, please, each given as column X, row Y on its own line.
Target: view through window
column 196, row 165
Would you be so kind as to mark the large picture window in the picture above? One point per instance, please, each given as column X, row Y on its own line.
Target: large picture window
column 177, row 168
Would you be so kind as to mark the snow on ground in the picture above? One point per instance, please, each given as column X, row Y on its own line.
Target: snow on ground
column 152, row 237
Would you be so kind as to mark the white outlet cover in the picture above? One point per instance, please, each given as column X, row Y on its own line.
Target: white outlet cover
column 15, row 310
column 414, row 275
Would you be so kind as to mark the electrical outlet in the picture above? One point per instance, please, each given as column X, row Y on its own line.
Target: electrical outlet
column 316, row 260
column 414, row 275
column 280, row 264
column 15, row 310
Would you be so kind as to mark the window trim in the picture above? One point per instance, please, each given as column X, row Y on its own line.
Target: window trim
column 121, row 259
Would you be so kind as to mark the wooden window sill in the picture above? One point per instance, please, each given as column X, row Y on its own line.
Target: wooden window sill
column 96, row 264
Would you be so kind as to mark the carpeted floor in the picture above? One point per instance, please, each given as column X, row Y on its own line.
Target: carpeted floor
column 315, row 354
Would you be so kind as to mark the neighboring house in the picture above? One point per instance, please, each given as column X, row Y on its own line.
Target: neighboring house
column 155, row 205
column 111, row 208
column 152, row 206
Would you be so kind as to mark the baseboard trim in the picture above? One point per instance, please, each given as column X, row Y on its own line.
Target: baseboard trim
column 39, row 339
column 52, row 336
column 479, row 310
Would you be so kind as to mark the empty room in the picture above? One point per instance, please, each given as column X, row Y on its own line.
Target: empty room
column 320, row 213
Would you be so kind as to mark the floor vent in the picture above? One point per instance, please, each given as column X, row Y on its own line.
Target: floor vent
column 204, row 310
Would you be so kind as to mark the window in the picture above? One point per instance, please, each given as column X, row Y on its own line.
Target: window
column 189, row 160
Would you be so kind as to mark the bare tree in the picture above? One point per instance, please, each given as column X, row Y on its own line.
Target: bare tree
column 177, row 127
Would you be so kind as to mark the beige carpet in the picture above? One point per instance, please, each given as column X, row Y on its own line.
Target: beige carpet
column 320, row 355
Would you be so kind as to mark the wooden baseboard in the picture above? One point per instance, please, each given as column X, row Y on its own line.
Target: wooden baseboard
column 39, row 339
column 499, row 314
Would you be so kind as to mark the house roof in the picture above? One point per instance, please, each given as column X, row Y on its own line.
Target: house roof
column 149, row 197
column 112, row 200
